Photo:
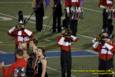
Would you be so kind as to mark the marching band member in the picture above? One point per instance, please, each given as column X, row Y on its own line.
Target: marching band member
column 64, row 41
column 21, row 35
column 108, row 14
column 106, row 49
column 74, row 11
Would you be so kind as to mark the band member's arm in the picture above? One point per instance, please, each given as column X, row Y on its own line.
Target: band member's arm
column 11, row 31
column 74, row 38
column 44, row 67
column 101, row 2
column 61, row 41
column 29, row 33
column 97, row 46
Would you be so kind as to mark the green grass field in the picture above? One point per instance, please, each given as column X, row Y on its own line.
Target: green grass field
column 87, row 28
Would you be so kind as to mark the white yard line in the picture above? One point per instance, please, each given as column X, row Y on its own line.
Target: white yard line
column 33, row 17
column 53, row 69
column 89, row 37
column 5, row 18
column 8, row 15
column 92, row 10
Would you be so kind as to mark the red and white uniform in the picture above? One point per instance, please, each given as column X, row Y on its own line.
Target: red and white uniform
column 65, row 43
column 105, row 51
column 106, row 3
column 72, row 5
column 21, row 36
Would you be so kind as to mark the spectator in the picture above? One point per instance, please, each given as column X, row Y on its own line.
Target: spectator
column 40, row 64
column 17, row 69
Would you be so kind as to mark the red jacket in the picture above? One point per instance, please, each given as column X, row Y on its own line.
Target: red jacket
column 105, row 51
column 65, row 43
column 106, row 3
column 75, row 3
column 23, row 35
column 8, row 71
column 67, row 3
